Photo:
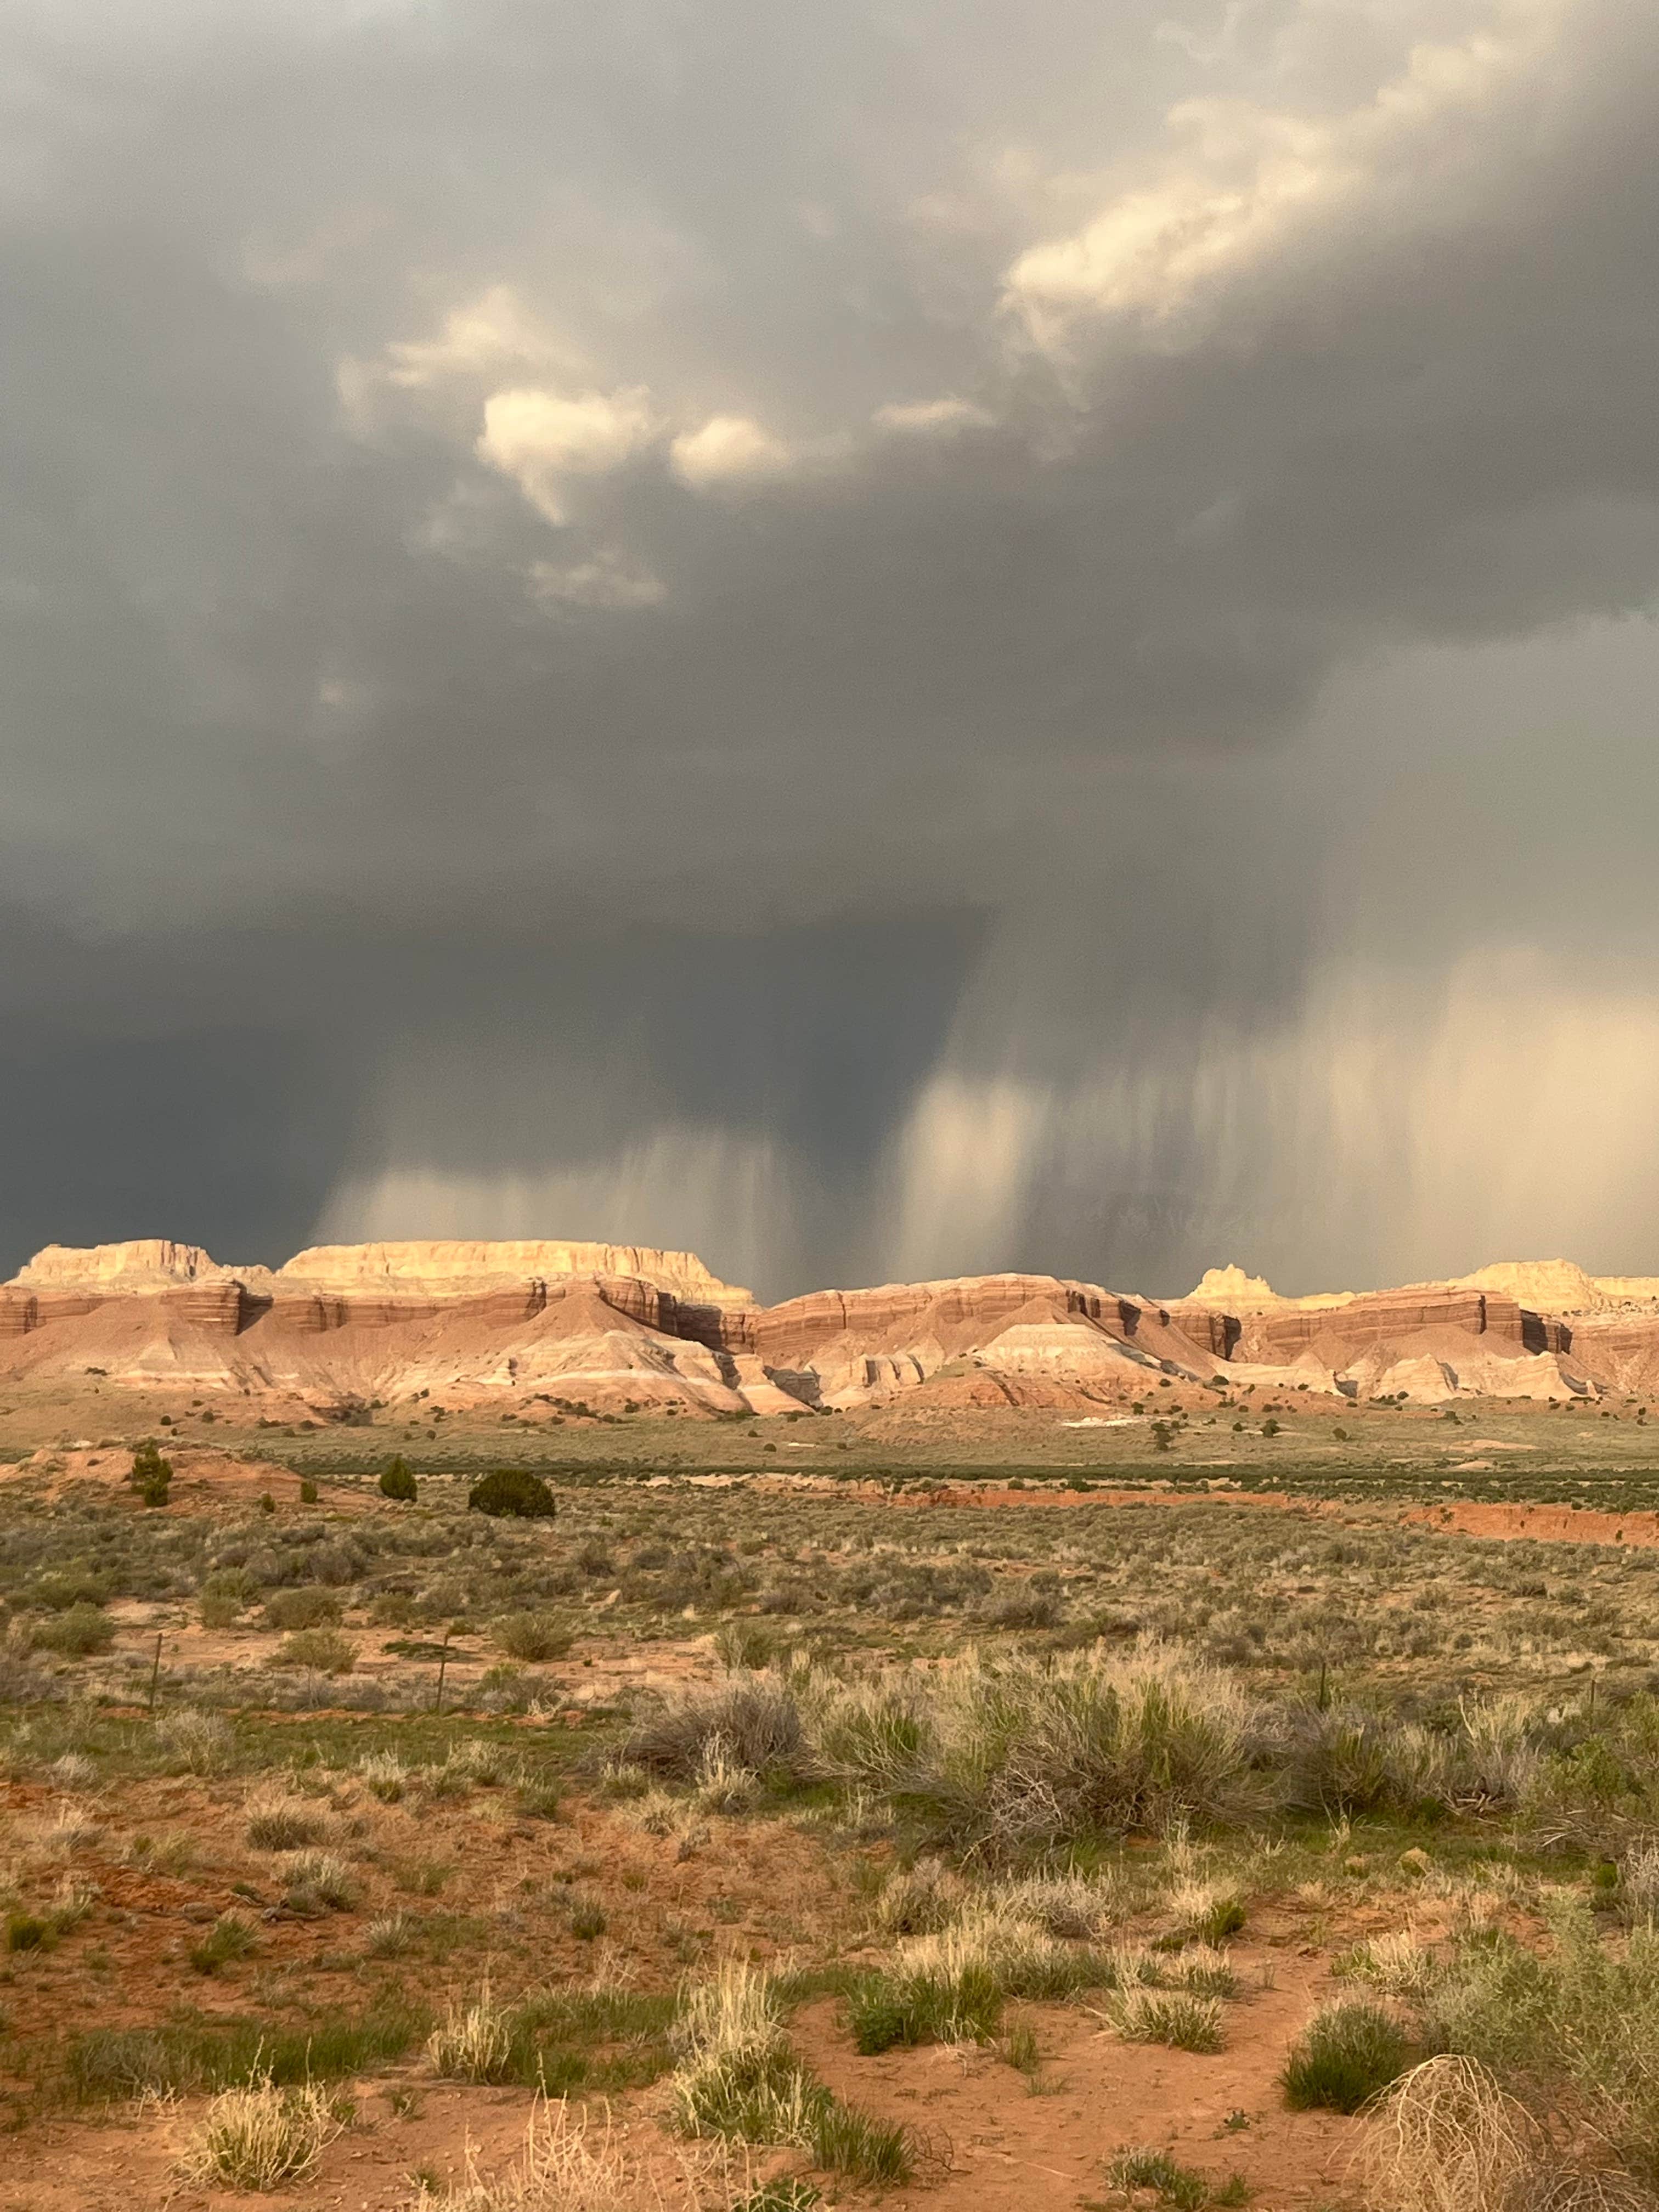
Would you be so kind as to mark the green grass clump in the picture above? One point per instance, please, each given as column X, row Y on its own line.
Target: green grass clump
column 1346, row 2054
column 191, row 2053
column 283, row 1824
column 231, row 1937
column 739, row 2078
column 563, row 2042
column 943, row 2000
column 1142, row 2168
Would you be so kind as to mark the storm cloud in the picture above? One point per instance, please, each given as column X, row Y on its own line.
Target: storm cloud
column 879, row 640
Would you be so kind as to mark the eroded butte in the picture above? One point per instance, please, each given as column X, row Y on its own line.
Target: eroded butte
column 610, row 1326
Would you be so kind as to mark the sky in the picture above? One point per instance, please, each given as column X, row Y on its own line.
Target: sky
column 881, row 639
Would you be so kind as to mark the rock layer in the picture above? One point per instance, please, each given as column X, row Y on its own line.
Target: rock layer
column 609, row 1325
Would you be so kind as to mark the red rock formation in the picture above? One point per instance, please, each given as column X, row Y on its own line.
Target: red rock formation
column 1342, row 1332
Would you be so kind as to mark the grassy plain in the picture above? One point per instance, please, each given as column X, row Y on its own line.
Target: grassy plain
column 832, row 1810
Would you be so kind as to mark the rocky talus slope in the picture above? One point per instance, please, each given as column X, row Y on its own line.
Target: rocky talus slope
column 612, row 1326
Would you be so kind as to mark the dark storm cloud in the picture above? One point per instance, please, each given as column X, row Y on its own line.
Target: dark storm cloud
column 582, row 545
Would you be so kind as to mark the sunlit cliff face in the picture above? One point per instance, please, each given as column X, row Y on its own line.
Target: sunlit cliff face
column 877, row 643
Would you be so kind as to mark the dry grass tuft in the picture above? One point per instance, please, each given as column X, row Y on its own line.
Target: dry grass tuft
column 260, row 2137
column 566, row 2165
column 1448, row 2139
column 472, row 2042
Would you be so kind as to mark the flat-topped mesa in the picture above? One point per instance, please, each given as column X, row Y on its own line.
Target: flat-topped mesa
column 447, row 1265
column 1561, row 1286
column 145, row 1263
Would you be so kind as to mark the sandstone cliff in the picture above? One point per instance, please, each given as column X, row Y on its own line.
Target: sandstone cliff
column 610, row 1325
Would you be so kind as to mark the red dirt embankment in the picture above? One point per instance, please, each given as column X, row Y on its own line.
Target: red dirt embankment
column 1537, row 1524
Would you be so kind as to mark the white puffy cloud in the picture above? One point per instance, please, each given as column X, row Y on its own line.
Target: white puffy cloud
column 543, row 440
column 933, row 418
column 729, row 450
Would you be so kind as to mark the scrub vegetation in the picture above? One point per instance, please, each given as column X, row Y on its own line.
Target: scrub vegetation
column 704, row 1821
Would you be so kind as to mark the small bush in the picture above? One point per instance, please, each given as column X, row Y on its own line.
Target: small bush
column 753, row 1718
column 28, row 1931
column 922, row 1899
column 151, row 1475
column 306, row 1607
column 1346, row 2053
column 260, row 2137
column 397, row 1482
column 530, row 1636
column 512, row 1493
column 323, row 1649
column 741, row 2079
column 75, row 1634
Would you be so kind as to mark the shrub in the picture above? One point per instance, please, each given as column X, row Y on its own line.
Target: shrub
column 754, row 1717
column 1574, row 2027
column 75, row 1634
column 530, row 1636
column 512, row 1493
column 1017, row 1756
column 1347, row 2052
column 308, row 1492
column 324, row 1649
column 151, row 1475
column 306, row 1607
column 397, row 1482
column 260, row 2137
column 200, row 1742
column 739, row 1643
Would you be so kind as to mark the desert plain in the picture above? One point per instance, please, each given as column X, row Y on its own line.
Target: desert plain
column 531, row 1727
